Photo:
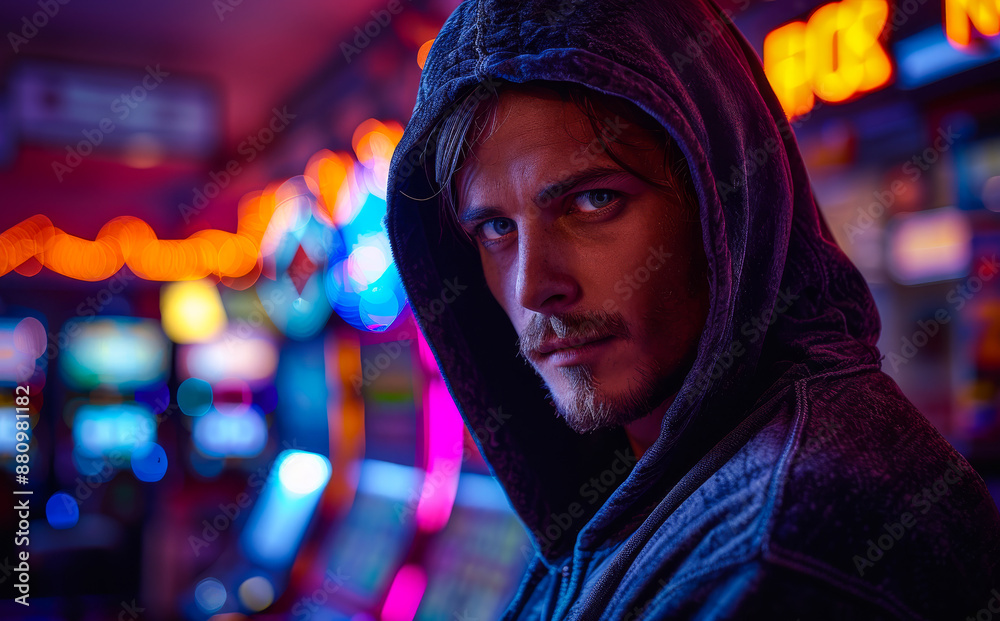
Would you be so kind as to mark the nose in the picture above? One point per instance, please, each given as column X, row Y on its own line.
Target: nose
column 546, row 270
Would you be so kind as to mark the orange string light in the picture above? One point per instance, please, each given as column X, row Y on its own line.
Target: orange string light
column 235, row 258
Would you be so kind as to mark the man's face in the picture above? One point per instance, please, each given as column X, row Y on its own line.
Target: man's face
column 574, row 247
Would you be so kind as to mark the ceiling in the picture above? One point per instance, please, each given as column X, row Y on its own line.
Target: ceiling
column 257, row 53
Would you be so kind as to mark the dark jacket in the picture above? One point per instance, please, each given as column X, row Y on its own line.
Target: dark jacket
column 791, row 479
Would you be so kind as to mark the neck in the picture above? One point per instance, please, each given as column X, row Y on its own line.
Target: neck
column 643, row 432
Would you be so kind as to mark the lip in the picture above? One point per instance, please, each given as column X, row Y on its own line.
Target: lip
column 567, row 352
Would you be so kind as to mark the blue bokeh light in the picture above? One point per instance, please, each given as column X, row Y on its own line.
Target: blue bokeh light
column 210, row 595
column 62, row 511
column 149, row 462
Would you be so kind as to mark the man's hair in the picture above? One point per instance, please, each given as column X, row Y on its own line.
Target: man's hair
column 464, row 125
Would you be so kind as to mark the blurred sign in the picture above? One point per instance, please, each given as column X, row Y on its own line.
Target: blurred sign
column 839, row 53
column 138, row 113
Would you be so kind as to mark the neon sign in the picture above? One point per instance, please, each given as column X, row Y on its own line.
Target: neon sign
column 839, row 52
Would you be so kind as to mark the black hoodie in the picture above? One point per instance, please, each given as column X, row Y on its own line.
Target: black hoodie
column 791, row 478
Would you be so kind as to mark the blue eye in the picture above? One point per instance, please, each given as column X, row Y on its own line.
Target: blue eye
column 499, row 231
column 598, row 199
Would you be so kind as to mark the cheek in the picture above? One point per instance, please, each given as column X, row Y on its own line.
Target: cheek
column 495, row 280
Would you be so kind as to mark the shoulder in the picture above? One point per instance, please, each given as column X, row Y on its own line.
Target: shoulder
column 868, row 495
column 760, row 589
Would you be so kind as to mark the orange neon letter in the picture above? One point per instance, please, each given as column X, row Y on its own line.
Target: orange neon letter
column 960, row 15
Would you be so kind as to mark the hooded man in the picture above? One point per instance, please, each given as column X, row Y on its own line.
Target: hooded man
column 665, row 358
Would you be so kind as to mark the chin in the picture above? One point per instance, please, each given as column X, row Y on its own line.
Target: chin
column 598, row 416
column 587, row 406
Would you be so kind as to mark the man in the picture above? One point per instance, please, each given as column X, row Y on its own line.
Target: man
column 667, row 361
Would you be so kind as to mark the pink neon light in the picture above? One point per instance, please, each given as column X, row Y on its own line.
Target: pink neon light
column 443, row 449
column 426, row 357
column 405, row 594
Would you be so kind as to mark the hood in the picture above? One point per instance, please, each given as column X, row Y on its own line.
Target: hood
column 768, row 247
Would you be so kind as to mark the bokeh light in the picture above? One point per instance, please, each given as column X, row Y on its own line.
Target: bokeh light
column 149, row 462
column 30, row 337
column 194, row 396
column 256, row 593
column 210, row 595
column 192, row 311
column 62, row 511
column 303, row 473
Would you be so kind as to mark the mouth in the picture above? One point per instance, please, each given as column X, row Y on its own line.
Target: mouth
column 563, row 352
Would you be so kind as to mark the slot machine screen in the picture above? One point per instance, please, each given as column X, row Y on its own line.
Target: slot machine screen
column 372, row 541
column 124, row 352
column 476, row 563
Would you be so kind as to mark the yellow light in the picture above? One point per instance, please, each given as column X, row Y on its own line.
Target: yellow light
column 836, row 55
column 961, row 15
column 256, row 593
column 192, row 311
column 863, row 39
column 786, row 68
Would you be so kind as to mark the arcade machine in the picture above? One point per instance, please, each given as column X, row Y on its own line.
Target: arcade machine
column 429, row 532
column 102, row 441
column 421, row 522
column 900, row 135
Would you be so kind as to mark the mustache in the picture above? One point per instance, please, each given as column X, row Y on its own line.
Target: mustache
column 586, row 325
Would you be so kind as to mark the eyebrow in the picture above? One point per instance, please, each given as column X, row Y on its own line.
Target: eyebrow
column 551, row 191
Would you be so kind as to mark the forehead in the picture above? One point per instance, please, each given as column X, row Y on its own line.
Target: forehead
column 532, row 137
